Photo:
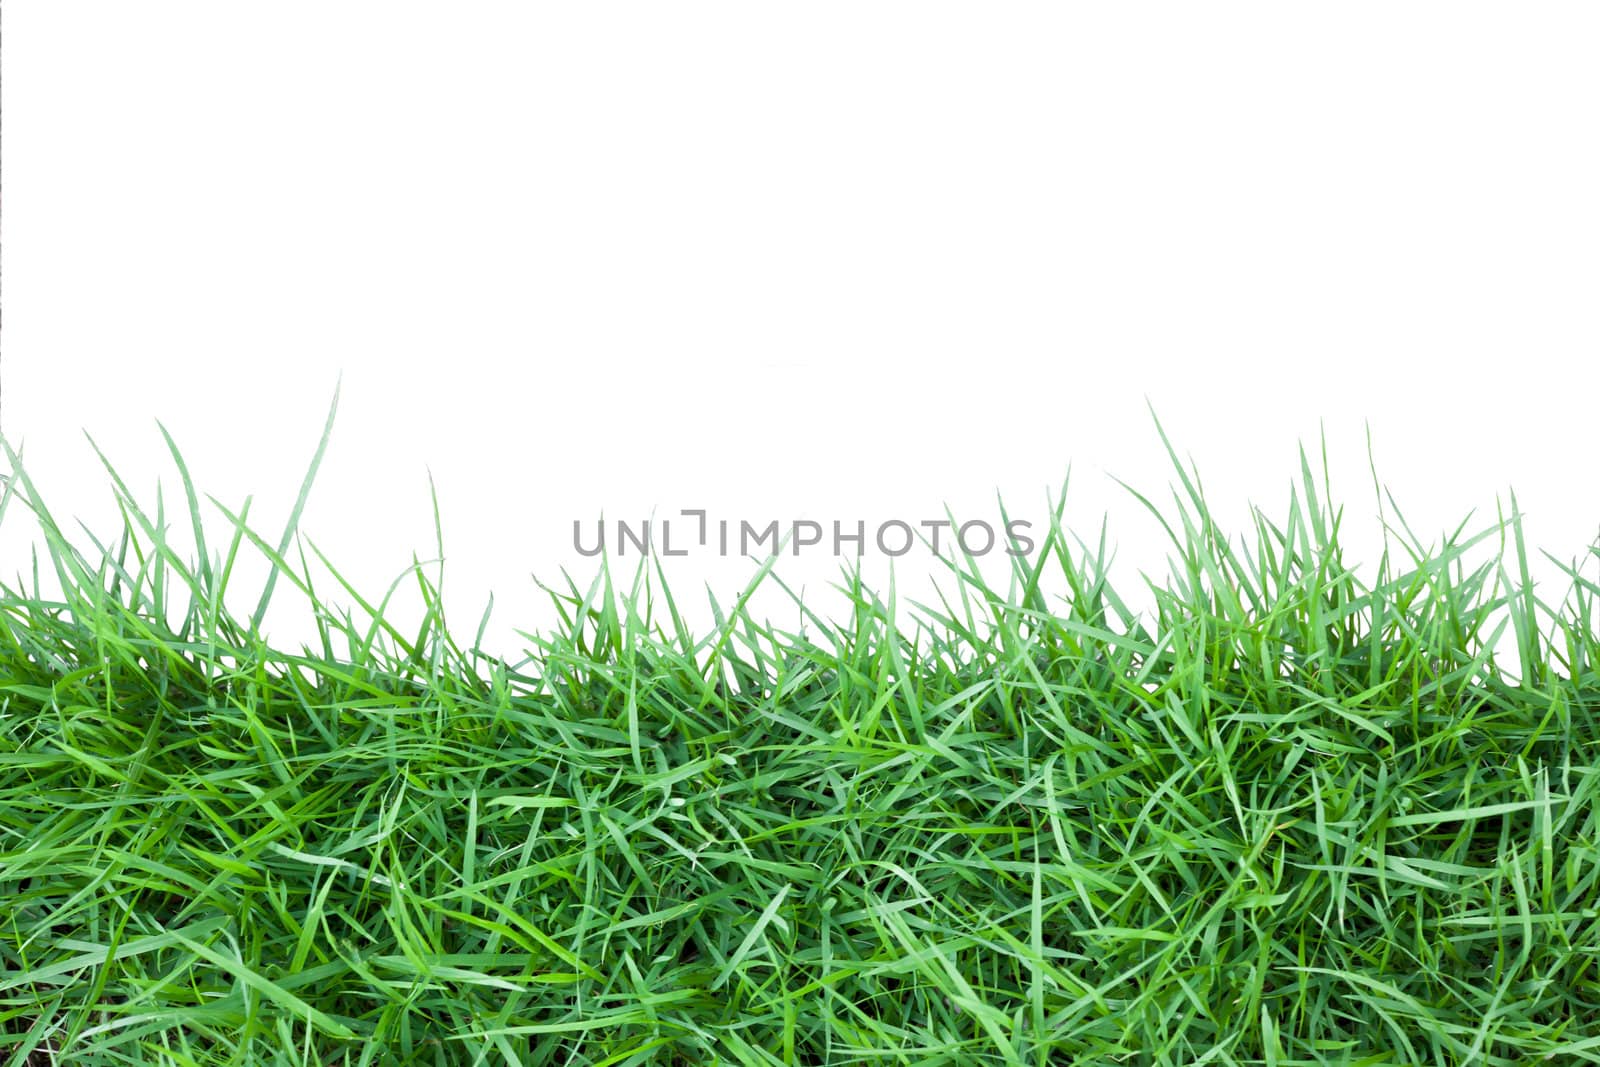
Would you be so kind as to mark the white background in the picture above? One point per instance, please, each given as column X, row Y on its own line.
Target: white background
column 835, row 261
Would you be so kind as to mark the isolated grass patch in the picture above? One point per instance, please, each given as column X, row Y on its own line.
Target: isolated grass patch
column 1297, row 816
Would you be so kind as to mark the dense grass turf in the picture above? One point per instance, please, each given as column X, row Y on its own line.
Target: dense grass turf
column 1297, row 816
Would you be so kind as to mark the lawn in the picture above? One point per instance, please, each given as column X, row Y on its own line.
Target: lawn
column 1296, row 814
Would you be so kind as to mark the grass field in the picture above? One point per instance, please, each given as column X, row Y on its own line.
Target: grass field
column 1297, row 815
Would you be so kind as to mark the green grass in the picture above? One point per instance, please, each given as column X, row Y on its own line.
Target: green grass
column 1295, row 815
